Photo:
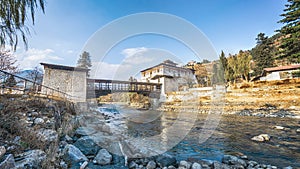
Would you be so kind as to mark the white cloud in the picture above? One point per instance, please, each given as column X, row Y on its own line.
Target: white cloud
column 133, row 51
column 103, row 70
column 135, row 56
column 33, row 57
column 70, row 51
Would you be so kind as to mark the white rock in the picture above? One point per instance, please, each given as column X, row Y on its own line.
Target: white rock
column 39, row 121
column 196, row 166
column 278, row 127
column 47, row 135
column 2, row 151
column 261, row 138
column 185, row 164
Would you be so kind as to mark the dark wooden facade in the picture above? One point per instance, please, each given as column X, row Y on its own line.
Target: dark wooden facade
column 101, row 87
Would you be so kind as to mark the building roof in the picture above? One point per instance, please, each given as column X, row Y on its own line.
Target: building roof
column 165, row 63
column 280, row 68
column 62, row 67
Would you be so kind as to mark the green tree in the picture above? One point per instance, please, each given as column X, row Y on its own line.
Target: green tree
column 263, row 53
column 218, row 74
column 13, row 19
column 239, row 66
column 290, row 43
column 84, row 60
column 244, row 64
column 228, row 71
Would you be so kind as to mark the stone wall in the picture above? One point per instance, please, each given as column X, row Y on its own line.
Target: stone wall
column 71, row 82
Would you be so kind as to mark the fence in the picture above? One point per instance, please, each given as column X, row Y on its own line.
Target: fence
column 13, row 84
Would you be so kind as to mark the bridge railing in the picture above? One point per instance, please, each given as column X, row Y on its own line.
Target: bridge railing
column 14, row 84
column 102, row 87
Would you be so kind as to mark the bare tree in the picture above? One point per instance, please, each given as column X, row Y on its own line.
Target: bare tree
column 35, row 75
column 8, row 62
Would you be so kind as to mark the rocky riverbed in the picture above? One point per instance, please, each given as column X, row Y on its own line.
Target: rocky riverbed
column 54, row 137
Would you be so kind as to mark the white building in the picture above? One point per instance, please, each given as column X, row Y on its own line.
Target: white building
column 280, row 72
column 172, row 77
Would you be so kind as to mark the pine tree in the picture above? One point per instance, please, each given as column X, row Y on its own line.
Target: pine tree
column 263, row 53
column 290, row 43
column 11, row 81
column 84, row 60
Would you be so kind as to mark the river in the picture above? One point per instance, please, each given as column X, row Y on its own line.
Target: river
column 231, row 135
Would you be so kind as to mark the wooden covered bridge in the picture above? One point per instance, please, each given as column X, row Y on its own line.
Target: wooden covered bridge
column 100, row 87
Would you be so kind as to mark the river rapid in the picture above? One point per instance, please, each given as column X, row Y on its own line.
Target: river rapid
column 231, row 135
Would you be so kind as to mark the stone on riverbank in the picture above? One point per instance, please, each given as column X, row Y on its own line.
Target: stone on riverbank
column 261, row 138
column 39, row 121
column 47, row 135
column 151, row 165
column 165, row 160
column 184, row 164
column 2, row 151
column 233, row 160
column 87, row 146
column 8, row 162
column 85, row 131
column 103, row 157
column 72, row 154
column 30, row 159
column 196, row 166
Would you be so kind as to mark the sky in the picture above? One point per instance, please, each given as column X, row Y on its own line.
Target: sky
column 69, row 27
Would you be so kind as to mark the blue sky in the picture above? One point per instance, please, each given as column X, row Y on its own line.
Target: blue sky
column 60, row 35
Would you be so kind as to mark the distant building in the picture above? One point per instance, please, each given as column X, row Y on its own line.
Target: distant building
column 172, row 77
column 70, row 80
column 280, row 72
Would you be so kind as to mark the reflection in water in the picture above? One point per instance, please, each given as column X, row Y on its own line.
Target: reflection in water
column 232, row 136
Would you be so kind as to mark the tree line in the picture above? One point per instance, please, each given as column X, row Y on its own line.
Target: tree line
column 283, row 48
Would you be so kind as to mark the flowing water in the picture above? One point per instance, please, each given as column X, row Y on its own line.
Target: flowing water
column 232, row 135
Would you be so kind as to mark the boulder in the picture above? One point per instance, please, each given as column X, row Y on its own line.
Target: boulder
column 103, row 157
column 261, row 138
column 151, row 165
column 47, row 135
column 87, row 145
column 233, row 160
column 8, row 162
column 196, row 166
column 218, row 165
column 185, row 164
column 298, row 130
column 2, row 151
column 132, row 165
column 39, row 121
column 72, row 154
column 165, row 160
column 31, row 159
column 279, row 127
column 85, row 131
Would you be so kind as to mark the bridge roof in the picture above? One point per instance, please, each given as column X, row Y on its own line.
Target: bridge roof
column 63, row 67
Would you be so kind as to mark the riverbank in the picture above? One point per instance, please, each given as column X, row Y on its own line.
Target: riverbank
column 44, row 133
column 262, row 99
